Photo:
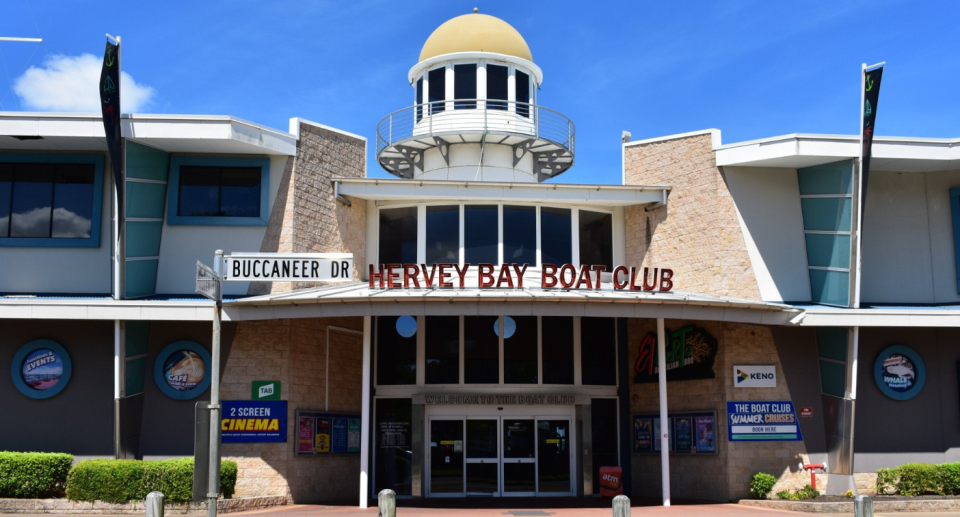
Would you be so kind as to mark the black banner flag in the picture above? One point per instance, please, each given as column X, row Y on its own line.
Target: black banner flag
column 871, row 96
column 110, row 107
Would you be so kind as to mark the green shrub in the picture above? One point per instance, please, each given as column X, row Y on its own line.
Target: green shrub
column 761, row 484
column 949, row 475
column 33, row 475
column 119, row 481
column 918, row 479
column 807, row 492
column 786, row 495
column 886, row 479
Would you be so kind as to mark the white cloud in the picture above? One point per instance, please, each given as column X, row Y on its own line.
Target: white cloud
column 69, row 83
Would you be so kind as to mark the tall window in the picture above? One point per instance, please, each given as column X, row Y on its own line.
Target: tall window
column 398, row 235
column 46, row 200
column 419, row 99
column 556, row 241
column 596, row 239
column 442, row 347
column 465, row 86
column 826, row 201
column 497, row 86
column 480, row 234
column 219, row 191
column 520, row 361
column 557, row 349
column 481, row 350
column 438, row 89
column 523, row 94
column 520, row 234
column 396, row 350
column 443, row 234
column 598, row 351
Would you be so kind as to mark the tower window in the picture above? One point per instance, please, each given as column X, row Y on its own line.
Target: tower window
column 523, row 94
column 437, row 89
column 464, row 86
column 497, row 86
column 419, row 99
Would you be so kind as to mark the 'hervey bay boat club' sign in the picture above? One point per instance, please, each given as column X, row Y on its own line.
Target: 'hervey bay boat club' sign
column 510, row 276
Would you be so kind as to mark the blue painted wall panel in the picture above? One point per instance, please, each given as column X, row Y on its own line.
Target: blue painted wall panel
column 145, row 199
column 141, row 278
column 143, row 238
column 827, row 213
column 830, row 178
column 830, row 287
column 826, row 250
column 146, row 162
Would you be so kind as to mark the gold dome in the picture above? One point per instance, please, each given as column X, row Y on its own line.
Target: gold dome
column 476, row 33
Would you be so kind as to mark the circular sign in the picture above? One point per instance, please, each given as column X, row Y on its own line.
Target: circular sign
column 899, row 372
column 41, row 369
column 181, row 370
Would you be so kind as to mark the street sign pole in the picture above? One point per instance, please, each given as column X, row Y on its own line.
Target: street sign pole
column 209, row 284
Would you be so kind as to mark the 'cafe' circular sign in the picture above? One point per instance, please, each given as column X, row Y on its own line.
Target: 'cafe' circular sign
column 899, row 372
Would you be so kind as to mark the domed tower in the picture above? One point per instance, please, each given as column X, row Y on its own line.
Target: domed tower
column 475, row 114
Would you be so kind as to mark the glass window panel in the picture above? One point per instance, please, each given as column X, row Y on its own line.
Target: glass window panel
column 480, row 234
column 556, row 242
column 443, row 234
column 446, row 458
column 398, row 235
column 832, row 343
column 523, row 94
column 419, row 98
column 442, row 343
column 392, row 447
column 598, row 351
column 596, row 239
column 482, row 478
column 396, row 350
column 826, row 213
column 199, row 191
column 240, row 192
column 497, row 86
column 482, row 439
column 437, row 90
column 830, row 287
column 603, row 421
column 520, row 234
column 828, row 250
column 465, row 85
column 519, row 477
column 553, row 455
column 830, row 178
column 833, row 378
column 32, row 205
column 481, row 350
column 557, row 349
column 6, row 190
column 520, row 349
column 518, row 439
column 73, row 201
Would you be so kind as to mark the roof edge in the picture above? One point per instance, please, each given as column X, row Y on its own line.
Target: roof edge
column 713, row 132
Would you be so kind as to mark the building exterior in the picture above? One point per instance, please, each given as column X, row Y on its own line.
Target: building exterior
column 504, row 333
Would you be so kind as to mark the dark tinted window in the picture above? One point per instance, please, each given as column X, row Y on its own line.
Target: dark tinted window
column 520, row 349
column 392, row 445
column 556, row 246
column 598, row 351
column 443, row 234
column 398, row 235
column 396, row 350
column 523, row 93
column 442, row 348
column 497, row 86
column 39, row 200
column 437, row 89
column 6, row 189
column 603, row 421
column 419, row 99
column 480, row 234
column 596, row 239
column 32, row 200
column 219, row 191
column 464, row 85
column 557, row 349
column 520, row 234
column 481, row 350
column 72, row 207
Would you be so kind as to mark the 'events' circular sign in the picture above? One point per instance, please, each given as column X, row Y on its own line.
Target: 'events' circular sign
column 41, row 369
column 181, row 370
column 899, row 372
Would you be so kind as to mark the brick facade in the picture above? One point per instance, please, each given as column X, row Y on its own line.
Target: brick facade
column 698, row 233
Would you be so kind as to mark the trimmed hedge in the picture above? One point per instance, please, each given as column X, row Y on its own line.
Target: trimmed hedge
column 119, row 481
column 33, row 475
column 913, row 479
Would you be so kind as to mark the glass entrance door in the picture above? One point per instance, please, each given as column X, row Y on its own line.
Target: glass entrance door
column 483, row 456
column 553, row 457
column 519, row 457
column 446, row 457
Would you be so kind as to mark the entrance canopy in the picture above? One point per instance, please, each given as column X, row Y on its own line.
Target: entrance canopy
column 358, row 299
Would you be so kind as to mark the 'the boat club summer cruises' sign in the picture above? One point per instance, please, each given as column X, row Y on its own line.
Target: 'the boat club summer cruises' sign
column 690, row 355
column 288, row 267
column 41, row 369
column 899, row 372
column 511, row 276
column 756, row 421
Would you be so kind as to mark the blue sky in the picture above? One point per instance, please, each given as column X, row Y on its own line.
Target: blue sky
column 751, row 69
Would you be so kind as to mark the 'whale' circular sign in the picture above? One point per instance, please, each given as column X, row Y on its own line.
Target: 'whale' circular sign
column 899, row 372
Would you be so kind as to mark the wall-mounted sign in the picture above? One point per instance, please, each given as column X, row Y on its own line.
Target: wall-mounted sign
column 41, row 369
column 806, row 412
column 690, row 433
column 510, row 276
column 319, row 433
column 265, row 390
column 755, row 421
column 690, row 355
column 899, row 372
column 253, row 421
column 498, row 400
column 754, row 376
column 288, row 267
column 181, row 370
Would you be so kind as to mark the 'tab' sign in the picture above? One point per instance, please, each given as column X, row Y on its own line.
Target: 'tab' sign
column 288, row 267
column 754, row 376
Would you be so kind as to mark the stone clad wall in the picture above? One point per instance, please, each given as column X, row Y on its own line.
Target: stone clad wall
column 293, row 351
column 698, row 233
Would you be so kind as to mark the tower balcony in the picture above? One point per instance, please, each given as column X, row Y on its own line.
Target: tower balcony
column 406, row 135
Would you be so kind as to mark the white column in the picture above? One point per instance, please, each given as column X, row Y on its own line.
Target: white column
column 512, row 89
column 481, row 83
column 365, row 416
column 664, row 433
column 117, row 385
column 448, row 86
column 853, row 351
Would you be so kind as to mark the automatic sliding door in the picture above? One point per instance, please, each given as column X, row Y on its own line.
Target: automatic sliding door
column 553, row 457
column 446, row 457
column 519, row 457
column 483, row 461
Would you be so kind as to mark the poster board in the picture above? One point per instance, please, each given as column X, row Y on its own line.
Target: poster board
column 322, row 434
column 692, row 432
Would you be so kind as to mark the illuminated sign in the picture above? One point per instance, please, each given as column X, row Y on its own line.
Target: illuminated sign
column 690, row 355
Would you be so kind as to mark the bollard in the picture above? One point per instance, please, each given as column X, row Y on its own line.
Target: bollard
column 155, row 504
column 621, row 506
column 862, row 506
column 387, row 503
